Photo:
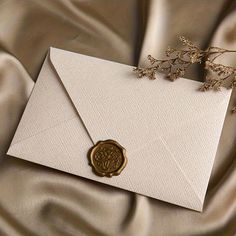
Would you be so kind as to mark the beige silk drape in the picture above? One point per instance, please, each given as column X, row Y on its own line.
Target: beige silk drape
column 35, row 200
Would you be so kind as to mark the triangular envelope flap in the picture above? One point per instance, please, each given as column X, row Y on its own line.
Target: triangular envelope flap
column 49, row 101
column 113, row 104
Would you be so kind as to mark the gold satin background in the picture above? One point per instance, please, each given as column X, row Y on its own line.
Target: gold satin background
column 35, row 200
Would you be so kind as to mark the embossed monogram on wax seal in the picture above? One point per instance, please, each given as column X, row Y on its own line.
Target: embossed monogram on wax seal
column 107, row 158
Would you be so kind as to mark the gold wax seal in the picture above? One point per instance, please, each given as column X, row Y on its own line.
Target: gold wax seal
column 107, row 158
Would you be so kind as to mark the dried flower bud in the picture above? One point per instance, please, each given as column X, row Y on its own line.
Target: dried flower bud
column 180, row 72
column 234, row 110
column 169, row 51
column 151, row 59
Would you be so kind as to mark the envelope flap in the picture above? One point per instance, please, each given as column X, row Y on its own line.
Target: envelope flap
column 113, row 104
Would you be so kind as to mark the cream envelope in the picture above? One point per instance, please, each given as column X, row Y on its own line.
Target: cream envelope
column 169, row 130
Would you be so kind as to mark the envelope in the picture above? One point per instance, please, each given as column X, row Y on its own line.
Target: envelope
column 170, row 131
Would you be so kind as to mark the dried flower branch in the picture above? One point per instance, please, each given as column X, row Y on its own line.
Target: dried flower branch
column 178, row 61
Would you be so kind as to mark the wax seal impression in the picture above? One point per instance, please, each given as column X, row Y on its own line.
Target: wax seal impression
column 107, row 158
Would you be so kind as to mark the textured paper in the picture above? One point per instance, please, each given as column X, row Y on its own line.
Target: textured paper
column 170, row 130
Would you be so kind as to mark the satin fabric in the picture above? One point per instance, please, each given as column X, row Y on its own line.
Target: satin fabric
column 36, row 200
